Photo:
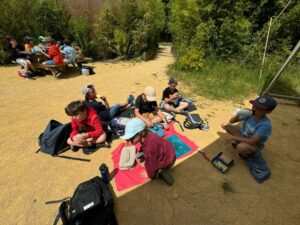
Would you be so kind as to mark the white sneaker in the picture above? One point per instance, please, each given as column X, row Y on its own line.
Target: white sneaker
column 58, row 74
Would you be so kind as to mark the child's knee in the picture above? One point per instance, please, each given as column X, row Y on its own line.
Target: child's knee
column 184, row 104
column 243, row 147
column 69, row 141
column 224, row 125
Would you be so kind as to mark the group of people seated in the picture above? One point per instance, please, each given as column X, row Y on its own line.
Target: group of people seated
column 89, row 114
column 53, row 54
column 158, row 155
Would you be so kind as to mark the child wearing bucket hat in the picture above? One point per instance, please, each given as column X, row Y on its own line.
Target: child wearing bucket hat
column 256, row 127
column 158, row 153
column 147, row 110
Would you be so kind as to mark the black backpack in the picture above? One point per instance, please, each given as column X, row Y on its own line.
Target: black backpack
column 91, row 204
column 193, row 121
column 54, row 138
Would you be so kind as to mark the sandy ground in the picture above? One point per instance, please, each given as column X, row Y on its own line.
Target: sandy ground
column 28, row 179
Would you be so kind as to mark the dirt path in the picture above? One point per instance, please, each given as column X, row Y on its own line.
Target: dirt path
column 28, row 180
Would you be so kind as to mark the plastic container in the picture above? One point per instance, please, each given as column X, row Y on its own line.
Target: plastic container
column 222, row 162
column 85, row 72
column 243, row 112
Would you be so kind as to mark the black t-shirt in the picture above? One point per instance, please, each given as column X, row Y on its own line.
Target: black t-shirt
column 167, row 92
column 13, row 51
column 145, row 107
column 101, row 110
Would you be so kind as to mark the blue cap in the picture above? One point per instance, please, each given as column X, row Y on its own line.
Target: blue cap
column 264, row 102
column 26, row 39
column 133, row 127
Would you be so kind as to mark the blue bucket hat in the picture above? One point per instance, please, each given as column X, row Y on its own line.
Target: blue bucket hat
column 133, row 127
column 264, row 102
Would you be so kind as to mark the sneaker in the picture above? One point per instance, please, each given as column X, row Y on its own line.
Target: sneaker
column 58, row 74
column 74, row 148
column 204, row 127
column 104, row 145
column 243, row 157
column 166, row 177
column 130, row 100
column 184, row 112
column 94, row 147
column 90, row 149
column 30, row 78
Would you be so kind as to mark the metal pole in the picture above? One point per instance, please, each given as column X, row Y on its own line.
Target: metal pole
column 284, row 96
column 282, row 68
column 266, row 45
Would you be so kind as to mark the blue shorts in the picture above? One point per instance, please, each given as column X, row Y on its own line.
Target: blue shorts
column 49, row 62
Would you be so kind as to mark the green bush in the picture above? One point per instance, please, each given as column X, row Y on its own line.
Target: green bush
column 81, row 33
column 203, row 29
column 33, row 18
column 127, row 28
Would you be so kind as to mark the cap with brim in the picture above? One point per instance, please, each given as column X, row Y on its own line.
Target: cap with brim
column 86, row 89
column 150, row 93
column 41, row 38
column 133, row 127
column 264, row 102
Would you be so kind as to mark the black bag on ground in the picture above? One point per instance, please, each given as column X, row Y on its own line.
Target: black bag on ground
column 127, row 113
column 54, row 139
column 193, row 121
column 91, row 204
column 191, row 107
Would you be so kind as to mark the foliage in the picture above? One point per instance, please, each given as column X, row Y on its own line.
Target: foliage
column 81, row 32
column 127, row 28
column 212, row 28
column 33, row 18
column 231, row 29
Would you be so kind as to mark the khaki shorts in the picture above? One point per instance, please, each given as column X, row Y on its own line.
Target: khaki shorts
column 150, row 115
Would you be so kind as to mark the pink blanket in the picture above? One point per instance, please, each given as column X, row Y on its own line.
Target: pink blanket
column 136, row 176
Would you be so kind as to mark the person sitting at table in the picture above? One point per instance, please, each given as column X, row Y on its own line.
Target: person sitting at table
column 28, row 46
column 69, row 52
column 55, row 57
column 14, row 49
column 41, row 46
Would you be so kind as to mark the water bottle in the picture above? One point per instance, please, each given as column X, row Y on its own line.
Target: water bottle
column 104, row 173
column 243, row 112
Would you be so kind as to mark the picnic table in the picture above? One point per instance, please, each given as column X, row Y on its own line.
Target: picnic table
column 38, row 58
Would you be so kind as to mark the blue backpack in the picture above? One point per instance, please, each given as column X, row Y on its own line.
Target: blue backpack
column 258, row 167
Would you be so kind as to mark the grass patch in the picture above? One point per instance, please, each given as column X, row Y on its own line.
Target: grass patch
column 227, row 186
column 223, row 80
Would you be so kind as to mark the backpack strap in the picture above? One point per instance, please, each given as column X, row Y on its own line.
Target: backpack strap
column 62, row 213
column 179, row 124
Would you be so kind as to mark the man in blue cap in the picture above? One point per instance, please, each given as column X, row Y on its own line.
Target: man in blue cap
column 256, row 127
